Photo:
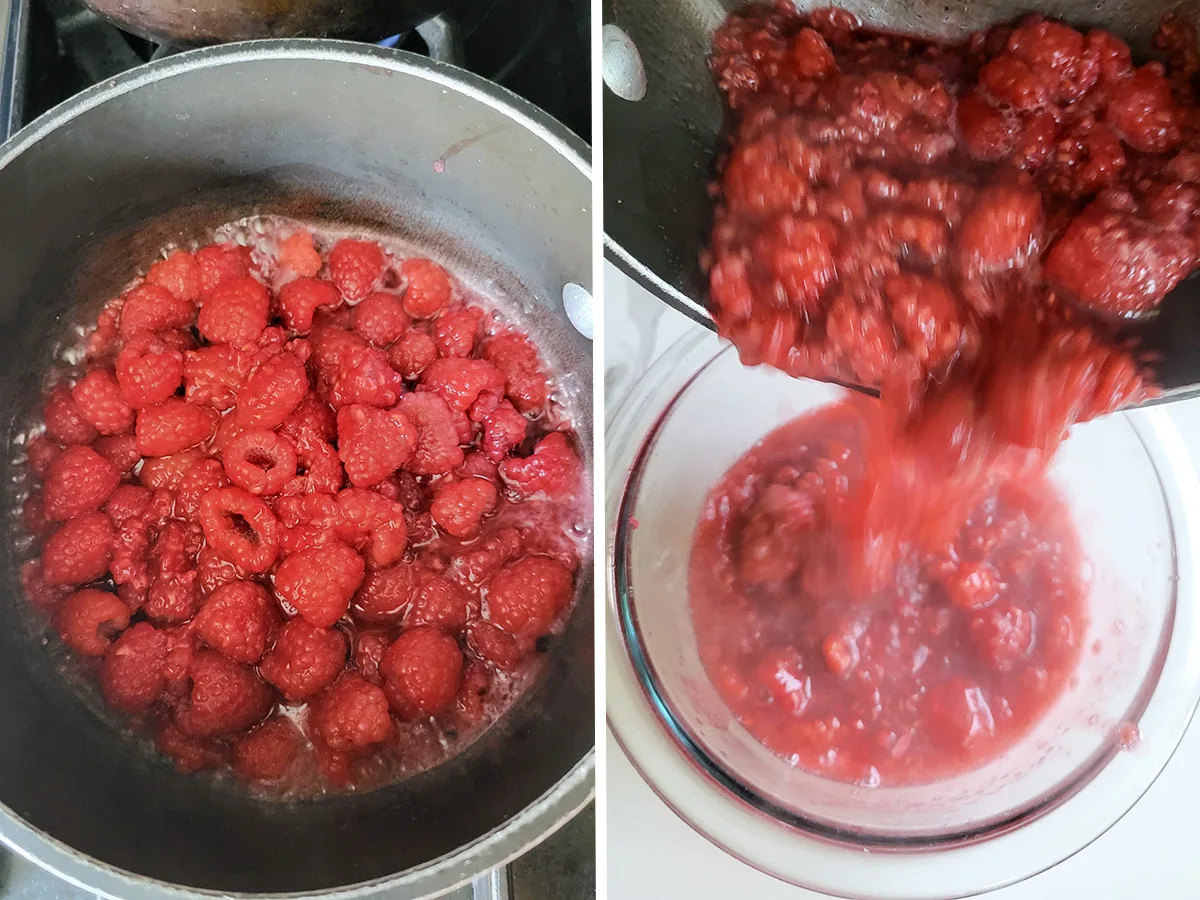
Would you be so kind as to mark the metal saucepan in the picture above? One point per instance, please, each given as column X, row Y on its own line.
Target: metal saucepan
column 326, row 132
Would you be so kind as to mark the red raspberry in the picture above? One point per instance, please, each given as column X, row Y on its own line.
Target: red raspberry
column 166, row 472
column 298, row 255
column 148, row 371
column 260, row 461
column 304, row 659
column 371, row 521
column 527, row 383
column 421, row 671
column 476, row 682
column 120, row 450
column 476, row 465
column 80, row 551
column 127, row 502
column 299, row 538
column 273, row 392
column 373, row 443
column 235, row 313
column 553, row 469
column 441, row 603
column 240, row 528
column 385, row 595
column 148, row 308
column 351, row 716
column 87, row 620
column 179, row 273
column 503, row 429
column 319, row 583
column 191, row 754
column 132, row 675
column 41, row 452
column 214, row 375
column 464, row 428
column 172, row 426
column 79, row 480
column 495, row 645
column 267, row 752
column 1142, row 110
column 181, row 651
column 380, row 319
column 64, row 422
column 130, row 567
column 368, row 650
column 212, row 571
column 437, row 450
column 33, row 516
column 421, row 530
column 459, row 507
column 299, row 299
column 201, row 477
column 455, row 331
column 309, row 509
column 174, row 591
column 219, row 263
column 45, row 597
column 460, row 381
column 313, row 420
column 412, row 353
column 349, row 370
column 225, row 697
column 322, row 470
column 525, row 597
column 99, row 399
column 238, row 620
column 427, row 291
column 356, row 267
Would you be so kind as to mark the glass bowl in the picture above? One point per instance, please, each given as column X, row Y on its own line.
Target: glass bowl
column 1133, row 494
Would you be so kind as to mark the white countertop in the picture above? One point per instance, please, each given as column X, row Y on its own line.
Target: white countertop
column 1151, row 854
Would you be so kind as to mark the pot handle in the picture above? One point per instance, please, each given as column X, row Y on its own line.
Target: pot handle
column 493, row 885
column 442, row 38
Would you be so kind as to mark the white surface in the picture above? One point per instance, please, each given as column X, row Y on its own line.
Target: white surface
column 1151, row 854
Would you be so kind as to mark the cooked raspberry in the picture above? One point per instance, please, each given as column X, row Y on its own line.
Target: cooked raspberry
column 476, row 682
column 385, row 595
column 308, row 509
column 182, row 645
column 527, row 384
column 79, row 480
column 64, row 422
column 319, row 583
column 412, row 353
column 33, row 516
column 553, row 469
column 130, row 567
column 356, row 267
column 427, row 289
column 304, row 659
column 299, row 538
column 166, row 472
column 351, row 371
column 464, row 428
column 298, row 255
column 40, row 453
column 351, row 716
column 127, row 502
column 212, row 571
column 372, row 523
column 312, row 420
column 120, row 450
column 238, row 620
column 191, row 754
column 267, row 752
column 179, row 273
column 1009, row 81
column 321, row 468
column 148, row 308
column 98, row 398
column 201, row 477
column 44, row 596
column 503, row 429
column 174, row 593
column 213, row 376
column 495, row 645
column 437, row 450
column 421, row 671
column 380, row 319
column 89, row 619
column 260, row 460
column 476, row 465
column 987, row 132
column 132, row 675
column 440, row 602
column 368, row 650
column 455, row 331
column 460, row 381
column 220, row 263
column 148, row 371
column 927, row 319
column 1143, row 111
column 225, row 697
column 421, row 530
column 241, row 528
column 235, row 313
column 172, row 426
column 273, row 392
column 79, row 551
column 299, row 299
column 373, row 443
column 459, row 507
column 525, row 597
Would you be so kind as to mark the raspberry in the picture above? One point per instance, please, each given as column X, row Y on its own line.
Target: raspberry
column 219, row 263
column 267, row 752
column 45, row 597
column 380, row 319
column 240, row 528
column 459, row 507
column 79, row 480
column 179, row 274
column 385, row 595
column 321, row 467
column 373, row 443
column 191, row 754
column 351, row 716
column 368, row 650
column 181, row 650
column 428, row 288
column 127, row 502
column 120, row 450
column 350, row 371
column 527, row 384
column 99, row 399
column 148, row 308
column 172, row 426
column 298, row 255
column 174, row 591
column 421, row 671
column 304, row 659
column 212, row 571
column 87, row 620
column 371, row 520
column 148, row 371
column 260, row 461
column 238, row 620
column 476, row 682
column 166, row 472
column 476, row 465
column 132, row 675
column 64, row 422
column 464, row 428
column 525, row 597
column 455, row 331
column 1142, row 110
column 272, row 392
column 503, row 429
column 460, row 381
column 421, row 530
column 356, row 267
column 41, row 452
column 553, row 469
column 235, row 312
column 437, row 450
column 441, row 603
column 130, row 567
column 33, row 516
column 225, row 697
column 299, row 299
column 495, row 645
column 319, row 583
column 79, row 551
column 214, row 375
column 311, row 509
column 412, row 353
column 313, row 420
column 201, row 477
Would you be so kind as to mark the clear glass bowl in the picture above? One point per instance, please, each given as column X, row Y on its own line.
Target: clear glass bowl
column 1134, row 497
